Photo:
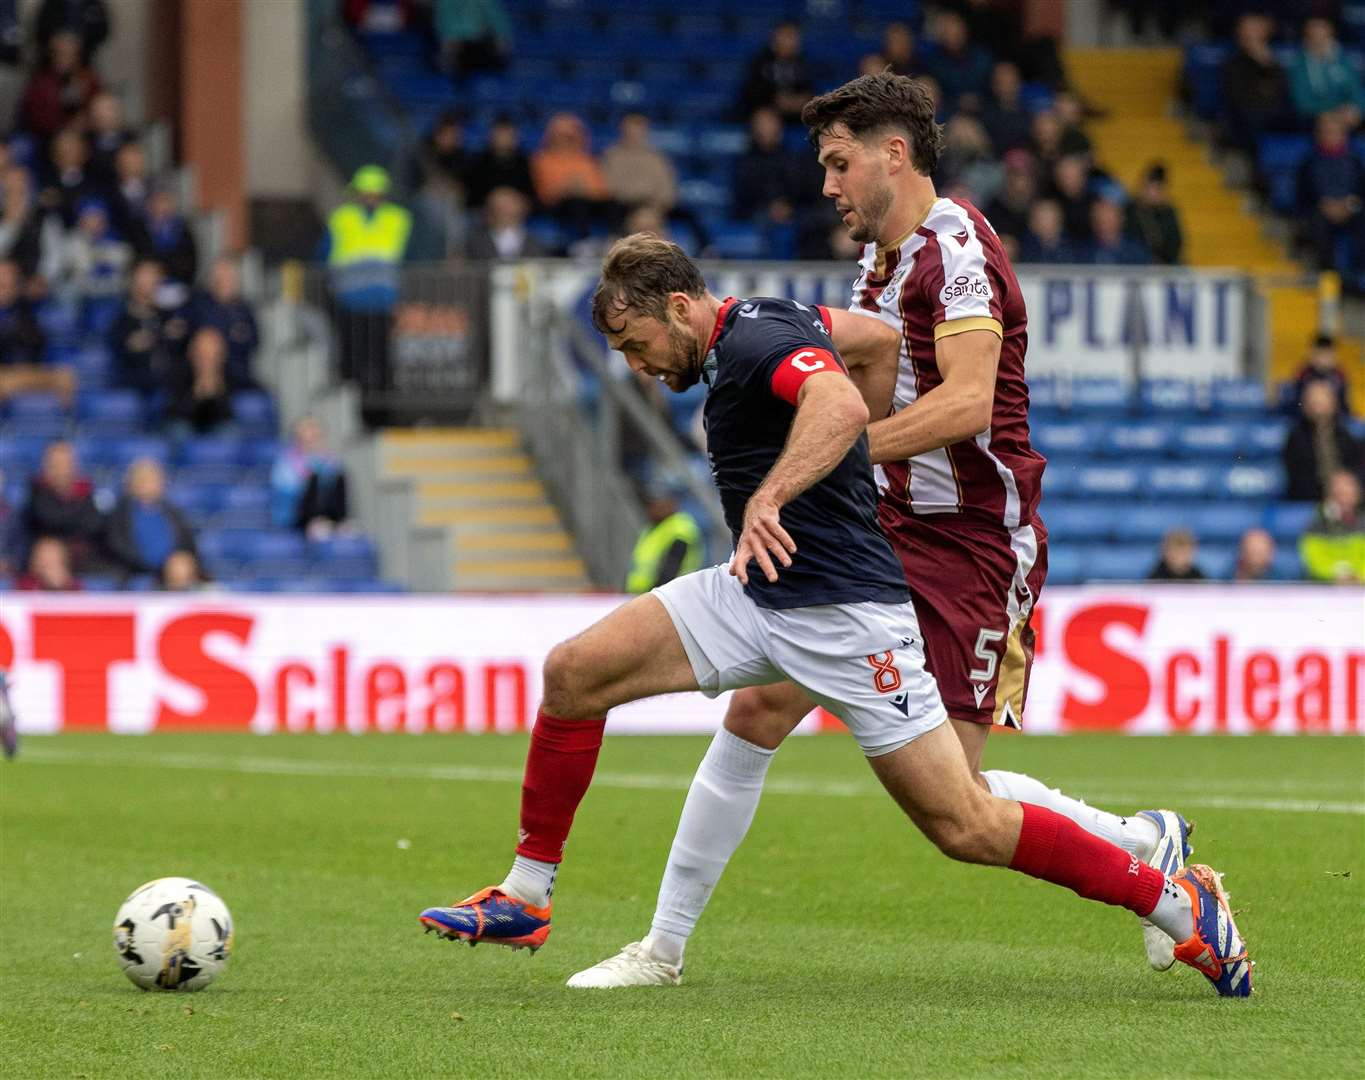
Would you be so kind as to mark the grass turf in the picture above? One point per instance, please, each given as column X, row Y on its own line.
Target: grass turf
column 838, row 944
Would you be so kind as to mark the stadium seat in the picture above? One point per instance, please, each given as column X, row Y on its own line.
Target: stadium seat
column 1117, row 562
column 112, row 411
column 1226, row 521
column 1127, row 438
column 1218, row 561
column 1064, row 565
column 1238, row 396
column 1287, row 565
column 99, row 583
column 210, row 450
column 1149, row 522
column 1077, row 522
column 1059, row 478
column 343, row 546
column 21, row 454
column 254, row 412
column 1108, row 481
column 117, row 453
column 1201, row 441
column 1290, row 520
column 260, row 453
column 1251, row 482
column 1265, row 437
column 36, row 407
column 1170, row 396
column 1100, row 396
column 1179, row 481
column 1070, row 437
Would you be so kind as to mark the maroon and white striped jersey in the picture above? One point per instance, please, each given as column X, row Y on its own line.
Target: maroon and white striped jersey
column 948, row 276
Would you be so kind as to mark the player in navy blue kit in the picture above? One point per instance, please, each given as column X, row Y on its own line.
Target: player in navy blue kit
column 812, row 594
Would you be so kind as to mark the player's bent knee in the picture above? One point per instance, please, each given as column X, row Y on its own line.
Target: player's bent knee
column 971, row 836
column 568, row 686
column 759, row 717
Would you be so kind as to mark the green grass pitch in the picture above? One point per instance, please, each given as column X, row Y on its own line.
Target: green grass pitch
column 839, row 943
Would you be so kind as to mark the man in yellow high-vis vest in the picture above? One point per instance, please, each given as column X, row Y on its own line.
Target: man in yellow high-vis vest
column 669, row 547
column 366, row 241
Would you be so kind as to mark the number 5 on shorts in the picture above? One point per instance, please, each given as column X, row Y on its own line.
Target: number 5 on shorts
column 984, row 651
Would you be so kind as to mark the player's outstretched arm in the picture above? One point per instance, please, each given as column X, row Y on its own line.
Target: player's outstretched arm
column 956, row 409
column 830, row 415
column 871, row 349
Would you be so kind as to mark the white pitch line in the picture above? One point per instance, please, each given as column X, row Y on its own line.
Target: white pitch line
column 268, row 766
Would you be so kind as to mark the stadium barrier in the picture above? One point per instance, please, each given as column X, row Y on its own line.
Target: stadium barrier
column 1131, row 659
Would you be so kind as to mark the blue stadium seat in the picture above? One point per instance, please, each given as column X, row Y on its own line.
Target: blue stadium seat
column 1064, row 565
column 1265, row 437
column 1238, row 396
column 1068, row 437
column 249, row 545
column 1060, row 477
column 112, row 411
column 1080, row 521
column 1290, row 520
column 1170, row 396
column 210, row 450
column 347, row 569
column 374, row 585
column 1202, row 74
column 36, row 407
column 1118, row 562
column 343, row 546
column 1251, row 482
column 1149, row 438
column 199, row 502
column 1287, row 565
column 1100, row 395
column 282, row 567
column 1179, row 481
column 1226, row 521
column 1201, row 441
column 21, row 454
column 1218, row 561
column 1044, row 394
column 99, row 583
column 1108, row 481
column 117, row 452
column 738, row 242
column 215, row 475
column 260, row 453
column 1149, row 522
column 254, row 412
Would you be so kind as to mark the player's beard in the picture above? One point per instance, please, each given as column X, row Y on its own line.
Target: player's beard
column 871, row 215
column 684, row 359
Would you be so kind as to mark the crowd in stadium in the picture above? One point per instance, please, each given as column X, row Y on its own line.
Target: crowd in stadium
column 121, row 344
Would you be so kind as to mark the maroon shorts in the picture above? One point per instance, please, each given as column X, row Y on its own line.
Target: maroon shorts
column 974, row 587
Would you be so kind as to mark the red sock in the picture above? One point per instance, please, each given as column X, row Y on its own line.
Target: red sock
column 559, row 768
column 1056, row 849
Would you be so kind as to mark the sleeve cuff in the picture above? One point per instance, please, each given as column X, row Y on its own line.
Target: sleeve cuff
column 961, row 326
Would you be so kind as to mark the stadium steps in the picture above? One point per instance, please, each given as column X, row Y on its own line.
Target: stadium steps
column 480, row 485
column 1138, row 87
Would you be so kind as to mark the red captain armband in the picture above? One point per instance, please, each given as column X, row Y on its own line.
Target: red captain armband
column 800, row 366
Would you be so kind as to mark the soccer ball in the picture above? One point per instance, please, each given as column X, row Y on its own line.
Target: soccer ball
column 173, row 934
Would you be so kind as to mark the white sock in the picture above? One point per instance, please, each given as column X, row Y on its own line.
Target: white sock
column 1136, row 835
column 530, row 880
column 1174, row 914
column 720, row 805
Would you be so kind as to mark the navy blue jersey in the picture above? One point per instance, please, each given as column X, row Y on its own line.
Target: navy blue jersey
column 759, row 353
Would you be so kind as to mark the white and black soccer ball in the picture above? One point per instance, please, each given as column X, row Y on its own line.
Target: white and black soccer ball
column 173, row 934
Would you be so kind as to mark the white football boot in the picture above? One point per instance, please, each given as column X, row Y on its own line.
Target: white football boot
column 1169, row 855
column 632, row 966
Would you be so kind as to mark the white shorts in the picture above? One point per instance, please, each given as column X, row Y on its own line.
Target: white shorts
column 863, row 662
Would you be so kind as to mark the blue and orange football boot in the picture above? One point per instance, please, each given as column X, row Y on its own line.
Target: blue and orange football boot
column 1169, row 855
column 491, row 915
column 1215, row 949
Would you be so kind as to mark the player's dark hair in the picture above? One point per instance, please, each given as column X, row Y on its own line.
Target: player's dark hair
column 639, row 273
column 873, row 103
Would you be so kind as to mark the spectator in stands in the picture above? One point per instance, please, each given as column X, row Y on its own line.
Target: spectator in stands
column 166, row 237
column 1178, row 550
column 1322, row 79
column 11, row 532
column 1322, row 366
column 502, row 233
column 1045, row 140
column 1109, row 244
column 61, row 503
column 144, row 529
column 26, row 234
column 1255, row 87
column 961, row 66
column 1071, row 189
column 569, row 181
column 637, row 173
column 367, row 240
column 49, row 568
column 777, row 77
column 998, row 26
column 1318, row 446
column 308, row 483
column 1334, row 548
column 898, row 50
column 1071, row 114
column 668, row 547
column 90, row 261
column 105, row 135
column 968, row 162
column 1331, row 194
column 220, row 305
column 181, row 572
column 1008, row 212
column 442, row 159
column 1046, row 242
column 772, row 184
column 58, row 92
column 475, row 35
column 1008, row 123
column 200, row 403
column 128, row 199
column 1255, row 556
column 22, row 344
column 87, row 19
column 1153, row 221
column 67, row 180
column 143, row 337
column 502, row 164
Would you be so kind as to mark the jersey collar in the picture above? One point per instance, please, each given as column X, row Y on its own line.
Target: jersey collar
column 725, row 307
